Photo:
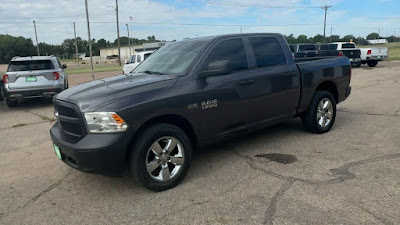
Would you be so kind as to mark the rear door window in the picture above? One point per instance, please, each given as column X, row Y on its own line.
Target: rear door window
column 267, row 51
column 30, row 65
column 328, row 47
column 232, row 50
column 139, row 59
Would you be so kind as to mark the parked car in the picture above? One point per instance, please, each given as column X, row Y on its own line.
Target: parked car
column 304, row 50
column 349, row 50
column 135, row 60
column 372, row 55
column 33, row 77
column 189, row 94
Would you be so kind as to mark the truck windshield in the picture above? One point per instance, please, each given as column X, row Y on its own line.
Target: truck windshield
column 307, row 47
column 348, row 45
column 30, row 65
column 172, row 59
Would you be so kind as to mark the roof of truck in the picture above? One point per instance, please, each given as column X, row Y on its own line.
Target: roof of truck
column 18, row 58
column 208, row 38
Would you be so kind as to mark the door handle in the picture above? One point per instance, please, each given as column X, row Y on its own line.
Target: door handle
column 246, row 82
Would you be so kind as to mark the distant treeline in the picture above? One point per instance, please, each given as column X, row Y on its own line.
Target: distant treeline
column 11, row 46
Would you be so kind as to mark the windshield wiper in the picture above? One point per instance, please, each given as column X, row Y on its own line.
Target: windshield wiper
column 152, row 72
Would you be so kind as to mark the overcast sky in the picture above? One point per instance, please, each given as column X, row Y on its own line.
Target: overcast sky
column 166, row 19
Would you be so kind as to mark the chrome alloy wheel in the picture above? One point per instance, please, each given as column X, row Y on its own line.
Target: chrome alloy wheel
column 324, row 112
column 165, row 158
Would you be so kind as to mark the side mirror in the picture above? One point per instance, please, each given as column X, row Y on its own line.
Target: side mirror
column 64, row 66
column 217, row 68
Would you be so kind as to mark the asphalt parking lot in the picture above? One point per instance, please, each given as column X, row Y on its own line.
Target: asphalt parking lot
column 350, row 175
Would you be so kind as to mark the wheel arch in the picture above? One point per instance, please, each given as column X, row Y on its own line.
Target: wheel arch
column 172, row 119
column 329, row 86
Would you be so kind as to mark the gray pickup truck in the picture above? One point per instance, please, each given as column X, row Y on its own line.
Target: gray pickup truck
column 33, row 77
column 189, row 94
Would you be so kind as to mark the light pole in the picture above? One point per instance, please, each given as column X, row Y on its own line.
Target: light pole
column 90, row 39
column 129, row 41
column 37, row 43
column 119, row 45
column 76, row 46
column 326, row 7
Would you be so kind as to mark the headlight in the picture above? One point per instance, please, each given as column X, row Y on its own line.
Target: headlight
column 105, row 122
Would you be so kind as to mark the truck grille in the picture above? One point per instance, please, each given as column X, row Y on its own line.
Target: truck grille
column 70, row 120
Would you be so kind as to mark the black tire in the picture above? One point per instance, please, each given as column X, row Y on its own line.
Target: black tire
column 356, row 64
column 310, row 121
column 1, row 93
column 139, row 154
column 11, row 103
column 372, row 63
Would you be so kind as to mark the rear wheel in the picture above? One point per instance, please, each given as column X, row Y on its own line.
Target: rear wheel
column 372, row 63
column 320, row 116
column 161, row 157
column 11, row 103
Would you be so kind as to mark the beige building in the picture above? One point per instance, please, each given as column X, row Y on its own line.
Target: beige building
column 125, row 52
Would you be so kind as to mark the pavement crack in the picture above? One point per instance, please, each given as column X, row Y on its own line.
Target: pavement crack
column 369, row 114
column 49, row 188
column 45, row 118
column 376, row 217
column 23, row 125
column 271, row 209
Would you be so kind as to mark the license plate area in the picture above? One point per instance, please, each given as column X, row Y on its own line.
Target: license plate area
column 31, row 79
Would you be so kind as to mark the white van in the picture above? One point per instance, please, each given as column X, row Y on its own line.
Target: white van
column 135, row 60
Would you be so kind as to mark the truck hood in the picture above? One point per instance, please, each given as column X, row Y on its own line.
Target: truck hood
column 95, row 94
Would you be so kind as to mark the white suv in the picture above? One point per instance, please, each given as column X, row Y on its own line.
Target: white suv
column 33, row 77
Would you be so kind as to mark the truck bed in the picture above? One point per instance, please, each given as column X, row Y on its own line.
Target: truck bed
column 316, row 70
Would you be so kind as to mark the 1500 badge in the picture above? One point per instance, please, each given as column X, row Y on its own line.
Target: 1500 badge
column 209, row 104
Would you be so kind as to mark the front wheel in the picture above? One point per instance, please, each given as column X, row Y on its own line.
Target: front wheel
column 11, row 103
column 372, row 63
column 356, row 64
column 161, row 157
column 320, row 116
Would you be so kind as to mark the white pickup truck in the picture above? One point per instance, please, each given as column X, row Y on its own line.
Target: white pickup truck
column 135, row 60
column 373, row 55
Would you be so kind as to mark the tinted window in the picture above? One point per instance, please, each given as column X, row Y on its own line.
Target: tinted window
column 328, row 47
column 30, row 65
column 267, row 51
column 139, row 58
column 348, row 45
column 307, row 47
column 232, row 50
column 291, row 48
column 132, row 59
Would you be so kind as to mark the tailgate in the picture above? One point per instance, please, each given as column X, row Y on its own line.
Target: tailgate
column 352, row 54
column 379, row 51
column 31, row 80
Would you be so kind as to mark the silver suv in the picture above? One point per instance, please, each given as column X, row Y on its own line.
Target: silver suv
column 33, row 77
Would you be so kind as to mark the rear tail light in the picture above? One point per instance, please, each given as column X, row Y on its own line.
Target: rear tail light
column 340, row 54
column 369, row 52
column 56, row 75
column 5, row 78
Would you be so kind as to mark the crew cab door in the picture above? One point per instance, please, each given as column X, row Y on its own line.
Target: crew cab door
column 222, row 98
column 276, row 90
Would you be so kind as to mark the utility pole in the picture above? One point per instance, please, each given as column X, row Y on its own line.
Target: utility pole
column 379, row 35
column 76, row 46
column 129, row 41
column 119, row 46
column 326, row 7
column 90, row 39
column 37, row 43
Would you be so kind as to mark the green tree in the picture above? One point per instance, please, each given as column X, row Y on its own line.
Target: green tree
column 348, row 38
column 11, row 46
column 334, row 38
column 372, row 36
column 291, row 39
column 302, row 39
column 318, row 38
